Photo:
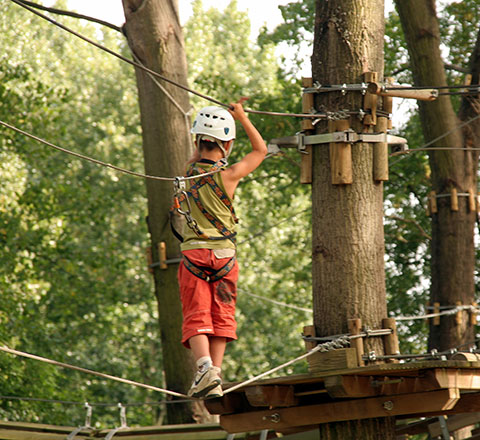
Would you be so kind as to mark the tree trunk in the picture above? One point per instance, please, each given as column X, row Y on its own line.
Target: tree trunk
column 452, row 245
column 348, row 241
column 156, row 39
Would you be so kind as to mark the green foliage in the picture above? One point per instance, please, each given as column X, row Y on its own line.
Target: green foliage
column 73, row 279
column 72, row 275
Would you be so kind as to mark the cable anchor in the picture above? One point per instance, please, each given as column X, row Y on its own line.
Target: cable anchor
column 86, row 426
column 123, row 422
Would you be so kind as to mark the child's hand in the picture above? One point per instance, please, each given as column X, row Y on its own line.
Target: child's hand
column 236, row 109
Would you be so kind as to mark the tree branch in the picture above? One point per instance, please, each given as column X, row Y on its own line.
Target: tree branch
column 72, row 14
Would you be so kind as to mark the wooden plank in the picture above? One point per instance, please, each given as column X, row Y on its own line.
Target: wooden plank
column 271, row 395
column 370, row 100
column 454, row 422
column 309, row 332
column 340, row 156
column 462, row 379
column 391, row 341
column 380, row 153
column 355, row 327
column 162, row 255
column 306, row 165
column 282, row 418
column 454, row 199
column 227, row 404
column 333, row 360
column 306, row 159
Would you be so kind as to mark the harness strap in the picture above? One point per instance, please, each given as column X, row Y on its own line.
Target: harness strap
column 206, row 273
column 194, row 193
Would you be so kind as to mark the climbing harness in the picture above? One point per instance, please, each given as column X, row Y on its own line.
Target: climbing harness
column 207, row 273
column 182, row 195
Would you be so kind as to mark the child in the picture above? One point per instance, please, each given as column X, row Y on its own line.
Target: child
column 209, row 271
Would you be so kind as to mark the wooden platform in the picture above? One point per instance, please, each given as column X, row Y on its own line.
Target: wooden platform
column 300, row 402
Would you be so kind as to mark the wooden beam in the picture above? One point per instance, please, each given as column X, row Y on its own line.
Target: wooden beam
column 380, row 153
column 340, row 359
column 355, row 327
column 464, row 379
column 227, row 404
column 308, row 105
column 455, row 422
column 282, row 418
column 271, row 395
column 340, row 155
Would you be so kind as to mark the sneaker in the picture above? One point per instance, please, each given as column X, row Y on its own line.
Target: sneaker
column 204, row 382
column 214, row 392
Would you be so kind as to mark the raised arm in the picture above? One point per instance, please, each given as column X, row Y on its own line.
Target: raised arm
column 252, row 160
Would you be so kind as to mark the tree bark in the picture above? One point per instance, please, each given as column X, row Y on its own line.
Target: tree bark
column 452, row 244
column 156, row 39
column 348, row 242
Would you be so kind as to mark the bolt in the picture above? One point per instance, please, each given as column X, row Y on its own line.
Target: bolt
column 388, row 405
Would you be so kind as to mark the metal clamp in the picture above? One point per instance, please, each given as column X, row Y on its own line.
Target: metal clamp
column 87, row 425
column 300, row 140
column 123, row 423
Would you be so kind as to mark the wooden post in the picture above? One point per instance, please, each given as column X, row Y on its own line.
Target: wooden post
column 473, row 314
column 436, row 309
column 162, row 255
column 309, row 331
column 370, row 100
column 432, row 200
column 306, row 158
column 388, row 102
column 380, row 153
column 340, row 155
column 454, row 199
column 472, row 206
column 355, row 327
column 459, row 314
column 391, row 341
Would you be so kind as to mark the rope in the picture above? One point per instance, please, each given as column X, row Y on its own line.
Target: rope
column 152, row 72
column 321, row 347
column 278, row 303
column 99, row 162
column 452, row 311
column 95, row 373
column 264, row 231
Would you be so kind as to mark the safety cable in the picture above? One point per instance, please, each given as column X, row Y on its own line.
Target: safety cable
column 425, row 146
column 99, row 162
column 278, row 303
column 95, row 373
column 103, row 405
column 152, row 72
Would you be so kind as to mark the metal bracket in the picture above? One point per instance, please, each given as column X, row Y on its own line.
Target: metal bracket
column 87, row 425
column 123, row 423
column 300, row 140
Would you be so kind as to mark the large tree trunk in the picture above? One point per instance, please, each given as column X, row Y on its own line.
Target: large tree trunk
column 348, row 241
column 156, row 39
column 452, row 246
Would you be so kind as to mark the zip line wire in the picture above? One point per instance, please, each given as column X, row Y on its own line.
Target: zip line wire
column 30, row 7
column 153, row 72
column 99, row 162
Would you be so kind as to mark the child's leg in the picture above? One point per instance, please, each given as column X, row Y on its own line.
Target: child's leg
column 200, row 346
column 217, row 349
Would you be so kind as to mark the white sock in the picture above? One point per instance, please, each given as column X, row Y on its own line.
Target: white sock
column 204, row 363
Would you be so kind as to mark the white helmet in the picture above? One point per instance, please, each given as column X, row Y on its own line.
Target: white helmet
column 217, row 123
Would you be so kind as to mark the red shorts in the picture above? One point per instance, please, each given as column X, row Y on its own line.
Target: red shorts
column 208, row 308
